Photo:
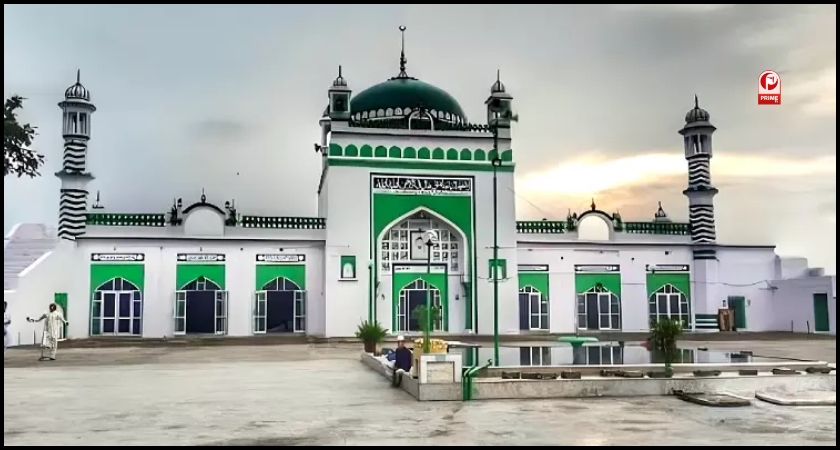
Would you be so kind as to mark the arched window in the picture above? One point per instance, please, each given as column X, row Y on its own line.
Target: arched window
column 669, row 302
column 281, row 284
column 413, row 296
column 117, row 309
column 599, row 309
column 396, row 245
column 201, row 284
column 533, row 309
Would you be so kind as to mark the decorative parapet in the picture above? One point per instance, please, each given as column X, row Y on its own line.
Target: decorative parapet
column 541, row 227
column 668, row 228
column 293, row 223
column 126, row 220
column 560, row 227
column 402, row 123
column 422, row 153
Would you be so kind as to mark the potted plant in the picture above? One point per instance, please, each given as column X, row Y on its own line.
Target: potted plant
column 371, row 333
column 664, row 334
column 428, row 319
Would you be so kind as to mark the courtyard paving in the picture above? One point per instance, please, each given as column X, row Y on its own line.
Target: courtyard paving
column 312, row 395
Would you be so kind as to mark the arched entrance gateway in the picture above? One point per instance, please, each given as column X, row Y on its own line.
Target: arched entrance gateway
column 280, row 307
column 117, row 309
column 201, row 307
column 416, row 270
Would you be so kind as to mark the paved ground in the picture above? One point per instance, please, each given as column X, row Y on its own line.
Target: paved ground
column 322, row 395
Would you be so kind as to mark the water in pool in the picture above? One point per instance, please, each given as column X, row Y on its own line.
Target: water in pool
column 603, row 353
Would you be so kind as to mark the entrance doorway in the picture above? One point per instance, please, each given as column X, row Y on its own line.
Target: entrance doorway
column 739, row 306
column 822, row 322
column 598, row 309
column 280, row 307
column 533, row 309
column 413, row 296
column 117, row 309
column 669, row 303
column 201, row 307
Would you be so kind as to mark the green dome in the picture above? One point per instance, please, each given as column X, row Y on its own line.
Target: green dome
column 406, row 94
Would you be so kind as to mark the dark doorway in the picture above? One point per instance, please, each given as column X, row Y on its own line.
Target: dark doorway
column 280, row 312
column 592, row 316
column 201, row 312
column 283, row 310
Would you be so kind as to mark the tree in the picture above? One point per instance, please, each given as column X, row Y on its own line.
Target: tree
column 18, row 159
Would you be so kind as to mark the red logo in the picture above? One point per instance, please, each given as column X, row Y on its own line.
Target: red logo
column 769, row 88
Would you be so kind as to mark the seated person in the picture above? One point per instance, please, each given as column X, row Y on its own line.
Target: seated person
column 403, row 360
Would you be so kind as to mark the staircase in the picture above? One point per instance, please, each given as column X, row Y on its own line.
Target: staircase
column 22, row 246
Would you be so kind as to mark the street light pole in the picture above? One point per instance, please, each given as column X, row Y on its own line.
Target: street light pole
column 430, row 242
column 497, row 162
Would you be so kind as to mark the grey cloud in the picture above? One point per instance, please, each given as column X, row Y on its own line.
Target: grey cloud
column 584, row 78
column 220, row 129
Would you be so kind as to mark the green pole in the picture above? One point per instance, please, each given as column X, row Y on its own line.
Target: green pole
column 427, row 337
column 497, row 162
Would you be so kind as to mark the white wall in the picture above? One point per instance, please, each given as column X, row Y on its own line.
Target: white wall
column 747, row 272
column 743, row 272
column 160, row 280
column 348, row 233
column 53, row 272
column 792, row 303
column 633, row 261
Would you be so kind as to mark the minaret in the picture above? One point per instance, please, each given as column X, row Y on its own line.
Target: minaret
column 499, row 108
column 697, row 138
column 339, row 96
column 76, row 110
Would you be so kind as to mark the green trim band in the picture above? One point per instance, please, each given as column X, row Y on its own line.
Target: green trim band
column 415, row 164
column 422, row 153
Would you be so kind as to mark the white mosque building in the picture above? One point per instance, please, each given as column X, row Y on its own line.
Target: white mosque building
column 399, row 159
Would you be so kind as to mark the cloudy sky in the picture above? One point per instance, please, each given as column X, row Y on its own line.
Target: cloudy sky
column 188, row 94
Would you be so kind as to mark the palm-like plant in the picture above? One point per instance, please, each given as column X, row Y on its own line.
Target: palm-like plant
column 426, row 323
column 664, row 334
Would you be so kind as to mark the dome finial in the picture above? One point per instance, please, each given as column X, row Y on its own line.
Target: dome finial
column 339, row 82
column 498, row 87
column 403, row 60
column 78, row 76
column 696, row 101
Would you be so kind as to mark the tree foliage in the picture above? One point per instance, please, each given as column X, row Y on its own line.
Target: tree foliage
column 19, row 159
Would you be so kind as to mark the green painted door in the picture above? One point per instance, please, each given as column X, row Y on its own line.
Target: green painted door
column 821, row 322
column 739, row 305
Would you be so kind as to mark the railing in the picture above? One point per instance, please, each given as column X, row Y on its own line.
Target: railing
column 668, row 228
column 560, row 227
column 541, row 227
column 126, row 220
column 294, row 223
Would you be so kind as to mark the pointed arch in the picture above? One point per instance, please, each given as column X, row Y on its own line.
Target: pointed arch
column 201, row 284
column 281, row 284
column 451, row 249
column 669, row 302
column 528, row 289
column 533, row 309
column 117, row 284
column 598, row 309
column 412, row 296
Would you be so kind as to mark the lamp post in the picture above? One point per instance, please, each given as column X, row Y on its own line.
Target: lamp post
column 429, row 239
column 497, row 162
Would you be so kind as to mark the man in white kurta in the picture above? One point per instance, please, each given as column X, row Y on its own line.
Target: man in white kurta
column 53, row 326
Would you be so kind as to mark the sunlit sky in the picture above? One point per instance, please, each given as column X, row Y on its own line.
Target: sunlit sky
column 190, row 93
